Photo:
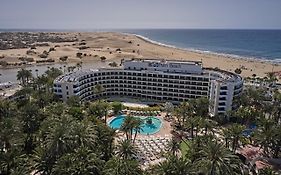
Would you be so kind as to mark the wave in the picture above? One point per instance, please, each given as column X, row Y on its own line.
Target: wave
column 232, row 56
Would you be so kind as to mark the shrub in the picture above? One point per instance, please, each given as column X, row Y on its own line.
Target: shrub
column 118, row 49
column 82, row 44
column 130, row 42
column 79, row 54
column 52, row 49
column 42, row 44
column 32, row 47
column 113, row 64
column 63, row 58
column 238, row 71
column 85, row 54
column 50, row 60
column 83, row 47
column 133, row 51
column 43, row 55
column 102, row 58
column 30, row 52
column 45, row 61
column 3, row 63
column 28, row 59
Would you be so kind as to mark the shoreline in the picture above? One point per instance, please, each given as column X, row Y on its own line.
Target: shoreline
column 115, row 46
column 207, row 52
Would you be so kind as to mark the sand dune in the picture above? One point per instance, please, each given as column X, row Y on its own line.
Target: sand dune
column 116, row 46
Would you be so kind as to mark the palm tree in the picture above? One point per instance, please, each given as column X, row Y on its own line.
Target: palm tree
column 235, row 133
column 191, row 124
column 105, row 137
column 174, row 146
column 117, row 107
column 215, row 159
column 81, row 161
column 271, row 77
column 128, row 126
column 125, row 149
column 137, row 127
column 84, row 134
column 200, row 106
column 117, row 166
column 53, row 73
column 56, row 139
column 182, row 112
column 7, row 109
column 247, row 114
column 24, row 76
column 265, row 133
column 267, row 171
column 174, row 165
column 276, row 106
column 100, row 109
column 98, row 90
column 208, row 124
column 31, row 120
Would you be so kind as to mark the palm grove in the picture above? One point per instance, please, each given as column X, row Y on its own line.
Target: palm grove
column 42, row 135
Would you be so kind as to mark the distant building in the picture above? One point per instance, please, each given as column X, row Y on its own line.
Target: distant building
column 156, row 81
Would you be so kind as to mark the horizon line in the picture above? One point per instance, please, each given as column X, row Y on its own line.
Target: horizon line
column 112, row 29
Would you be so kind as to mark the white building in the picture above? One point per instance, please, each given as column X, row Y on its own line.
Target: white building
column 155, row 81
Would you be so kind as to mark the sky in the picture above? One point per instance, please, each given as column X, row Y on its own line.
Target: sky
column 135, row 14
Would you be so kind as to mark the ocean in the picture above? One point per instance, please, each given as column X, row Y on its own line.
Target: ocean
column 249, row 44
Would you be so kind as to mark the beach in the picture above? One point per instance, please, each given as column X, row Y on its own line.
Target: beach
column 93, row 47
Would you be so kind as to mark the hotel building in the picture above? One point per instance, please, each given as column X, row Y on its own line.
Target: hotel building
column 155, row 81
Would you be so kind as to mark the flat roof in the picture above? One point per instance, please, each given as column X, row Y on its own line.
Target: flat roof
column 164, row 61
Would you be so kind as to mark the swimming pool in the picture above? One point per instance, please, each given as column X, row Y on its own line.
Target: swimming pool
column 147, row 129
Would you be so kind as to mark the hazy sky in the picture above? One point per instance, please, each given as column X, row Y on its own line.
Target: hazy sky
column 99, row 14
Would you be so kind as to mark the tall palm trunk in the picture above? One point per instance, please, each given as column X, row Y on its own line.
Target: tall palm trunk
column 135, row 136
column 192, row 129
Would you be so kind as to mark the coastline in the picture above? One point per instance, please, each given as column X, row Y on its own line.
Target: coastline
column 232, row 56
column 116, row 46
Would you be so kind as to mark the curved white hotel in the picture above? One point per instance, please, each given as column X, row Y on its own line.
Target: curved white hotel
column 155, row 81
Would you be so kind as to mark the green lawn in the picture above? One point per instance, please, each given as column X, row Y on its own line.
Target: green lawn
column 184, row 147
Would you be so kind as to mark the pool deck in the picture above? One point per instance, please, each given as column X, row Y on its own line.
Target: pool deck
column 165, row 130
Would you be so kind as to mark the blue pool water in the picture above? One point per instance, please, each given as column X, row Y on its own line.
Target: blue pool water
column 147, row 129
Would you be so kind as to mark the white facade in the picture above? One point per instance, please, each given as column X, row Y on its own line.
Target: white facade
column 155, row 81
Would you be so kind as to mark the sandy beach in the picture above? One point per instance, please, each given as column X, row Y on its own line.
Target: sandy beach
column 116, row 46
